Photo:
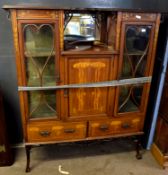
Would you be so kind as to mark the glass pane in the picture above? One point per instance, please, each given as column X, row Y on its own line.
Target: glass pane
column 135, row 51
column 80, row 25
column 39, row 50
column 130, row 98
column 90, row 30
column 42, row 104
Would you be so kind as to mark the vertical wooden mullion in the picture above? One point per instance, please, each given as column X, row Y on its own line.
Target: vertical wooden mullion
column 155, row 43
column 118, row 30
column 22, row 55
column 63, row 66
column 22, row 60
column 149, row 54
column 19, row 68
column 117, row 60
column 66, row 98
column 120, row 62
column 111, row 90
column 57, row 64
column 145, row 96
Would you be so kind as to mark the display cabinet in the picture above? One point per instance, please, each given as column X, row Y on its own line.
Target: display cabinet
column 83, row 74
column 160, row 145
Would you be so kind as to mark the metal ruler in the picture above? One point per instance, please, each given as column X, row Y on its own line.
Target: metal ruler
column 113, row 83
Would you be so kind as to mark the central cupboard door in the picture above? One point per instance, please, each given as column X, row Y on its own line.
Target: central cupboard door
column 40, row 67
column 89, row 102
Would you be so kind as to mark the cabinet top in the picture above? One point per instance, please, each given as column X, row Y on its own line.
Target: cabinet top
column 115, row 5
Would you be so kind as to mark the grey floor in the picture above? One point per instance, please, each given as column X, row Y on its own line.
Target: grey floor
column 108, row 157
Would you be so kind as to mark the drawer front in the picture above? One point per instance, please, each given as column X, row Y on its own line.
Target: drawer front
column 49, row 132
column 103, row 128
column 139, row 16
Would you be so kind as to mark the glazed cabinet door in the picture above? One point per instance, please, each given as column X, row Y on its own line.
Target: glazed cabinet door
column 39, row 41
column 136, row 56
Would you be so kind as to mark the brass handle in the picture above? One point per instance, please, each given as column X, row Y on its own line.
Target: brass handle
column 45, row 133
column 126, row 125
column 69, row 130
column 104, row 127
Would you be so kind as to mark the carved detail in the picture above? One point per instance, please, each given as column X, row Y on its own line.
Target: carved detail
column 32, row 14
column 88, row 64
column 139, row 16
column 61, row 30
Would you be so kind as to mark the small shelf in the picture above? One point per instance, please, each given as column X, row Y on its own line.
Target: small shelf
column 135, row 53
column 91, row 50
column 39, row 54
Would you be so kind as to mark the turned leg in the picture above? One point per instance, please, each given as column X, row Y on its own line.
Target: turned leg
column 28, row 148
column 138, row 148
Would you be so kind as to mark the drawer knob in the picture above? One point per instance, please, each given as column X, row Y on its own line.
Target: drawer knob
column 104, row 127
column 45, row 133
column 69, row 130
column 126, row 125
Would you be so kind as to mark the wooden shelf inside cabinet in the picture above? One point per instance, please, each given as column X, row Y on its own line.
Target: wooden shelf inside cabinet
column 90, row 51
column 39, row 54
column 135, row 54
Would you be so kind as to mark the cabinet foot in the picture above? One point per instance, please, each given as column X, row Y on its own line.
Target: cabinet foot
column 138, row 148
column 28, row 148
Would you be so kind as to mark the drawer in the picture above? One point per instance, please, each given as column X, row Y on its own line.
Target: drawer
column 113, row 127
column 55, row 132
column 139, row 16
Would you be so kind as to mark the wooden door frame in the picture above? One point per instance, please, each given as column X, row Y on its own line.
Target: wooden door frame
column 150, row 57
column 55, row 23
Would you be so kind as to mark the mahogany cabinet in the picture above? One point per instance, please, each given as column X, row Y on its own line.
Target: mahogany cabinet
column 83, row 74
column 160, row 145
